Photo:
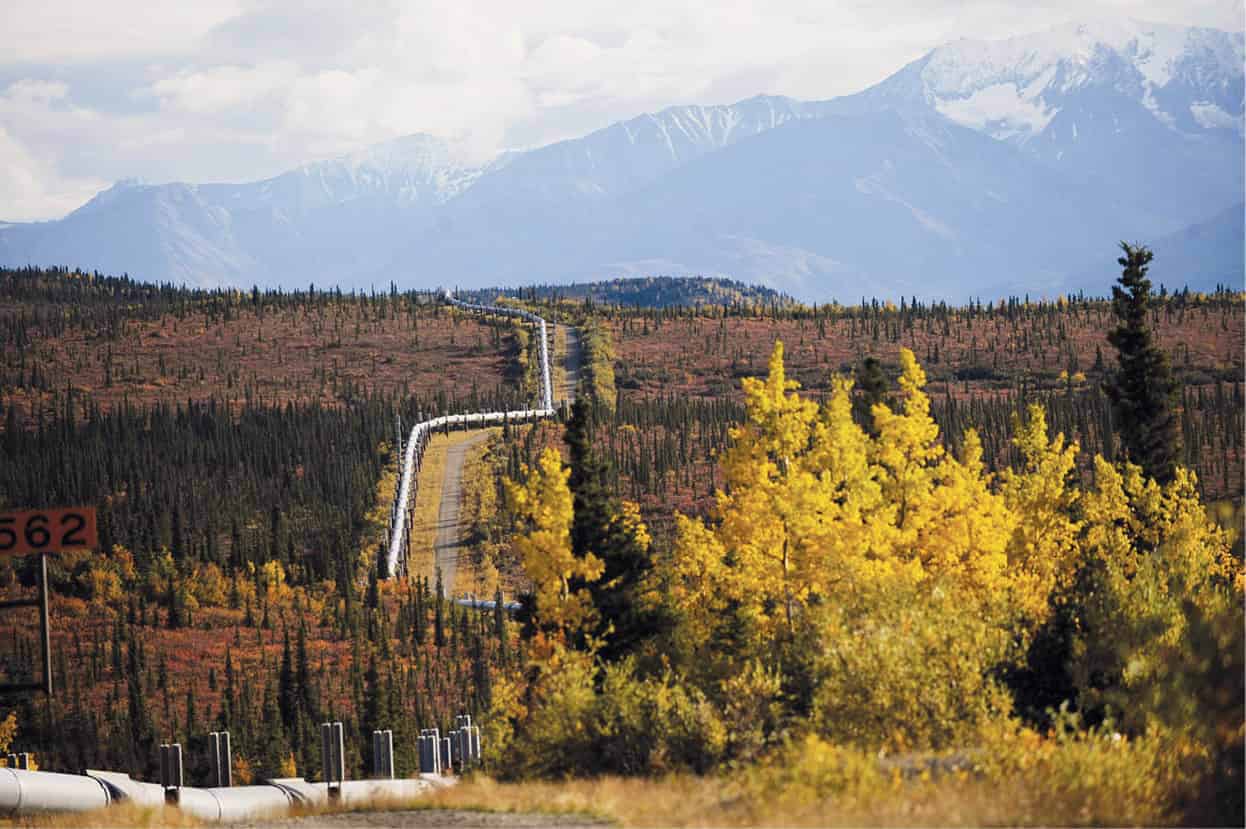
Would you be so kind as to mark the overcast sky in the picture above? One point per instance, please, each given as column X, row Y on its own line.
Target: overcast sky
column 92, row 91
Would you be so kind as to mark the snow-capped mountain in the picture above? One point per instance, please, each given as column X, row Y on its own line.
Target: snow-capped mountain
column 630, row 154
column 335, row 218
column 1056, row 144
column 1153, row 110
column 1188, row 79
column 414, row 170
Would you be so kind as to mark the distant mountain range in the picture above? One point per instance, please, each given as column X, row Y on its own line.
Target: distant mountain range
column 981, row 169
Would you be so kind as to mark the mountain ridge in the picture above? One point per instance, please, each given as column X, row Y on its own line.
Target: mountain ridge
column 1149, row 115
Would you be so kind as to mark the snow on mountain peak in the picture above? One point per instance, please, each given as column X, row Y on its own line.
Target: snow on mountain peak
column 1013, row 88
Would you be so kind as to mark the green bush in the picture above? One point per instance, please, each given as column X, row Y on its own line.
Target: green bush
column 907, row 670
column 625, row 725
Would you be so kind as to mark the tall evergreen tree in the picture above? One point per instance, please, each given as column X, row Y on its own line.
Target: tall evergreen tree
column 439, row 626
column 597, row 527
column 871, row 384
column 1143, row 390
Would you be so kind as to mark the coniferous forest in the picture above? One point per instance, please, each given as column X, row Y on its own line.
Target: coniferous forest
column 769, row 536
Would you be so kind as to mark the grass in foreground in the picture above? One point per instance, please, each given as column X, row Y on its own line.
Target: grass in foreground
column 702, row 802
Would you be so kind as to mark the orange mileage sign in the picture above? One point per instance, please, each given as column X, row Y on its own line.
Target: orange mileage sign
column 48, row 531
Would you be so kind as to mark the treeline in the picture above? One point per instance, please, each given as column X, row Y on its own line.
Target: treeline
column 646, row 292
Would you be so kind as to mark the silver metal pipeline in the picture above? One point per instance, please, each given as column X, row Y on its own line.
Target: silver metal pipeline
column 421, row 432
column 36, row 792
column 486, row 604
column 32, row 792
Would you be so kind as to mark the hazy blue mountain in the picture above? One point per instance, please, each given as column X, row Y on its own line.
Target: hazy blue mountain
column 162, row 233
column 630, row 154
column 979, row 169
column 1202, row 257
column 902, row 205
column 323, row 222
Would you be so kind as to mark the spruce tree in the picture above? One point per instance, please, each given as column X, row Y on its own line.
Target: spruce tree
column 1143, row 390
column 439, row 627
column 872, row 385
column 596, row 528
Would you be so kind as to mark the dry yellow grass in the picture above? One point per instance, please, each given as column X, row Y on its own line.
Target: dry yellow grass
column 428, row 502
column 684, row 800
column 957, row 799
column 557, row 357
column 119, row 815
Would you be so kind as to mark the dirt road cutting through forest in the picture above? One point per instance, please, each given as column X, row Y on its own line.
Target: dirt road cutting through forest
column 450, row 536
column 571, row 364
column 449, row 543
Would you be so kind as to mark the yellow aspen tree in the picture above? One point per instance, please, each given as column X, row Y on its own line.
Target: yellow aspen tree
column 770, row 492
column 699, row 587
column 907, row 450
column 1043, row 550
column 963, row 528
column 544, row 503
column 852, row 549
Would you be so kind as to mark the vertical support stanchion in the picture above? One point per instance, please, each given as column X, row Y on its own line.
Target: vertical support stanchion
column 44, row 628
column 214, row 756
column 171, row 772
column 333, row 757
column 339, row 753
column 226, row 761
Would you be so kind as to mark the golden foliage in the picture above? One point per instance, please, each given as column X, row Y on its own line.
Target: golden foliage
column 8, row 731
column 901, row 574
column 543, row 504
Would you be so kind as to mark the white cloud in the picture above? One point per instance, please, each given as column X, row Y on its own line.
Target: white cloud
column 47, row 31
column 223, row 88
column 31, row 188
column 240, row 89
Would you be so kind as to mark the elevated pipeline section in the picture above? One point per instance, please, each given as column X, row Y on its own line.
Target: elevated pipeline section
column 413, row 455
column 26, row 793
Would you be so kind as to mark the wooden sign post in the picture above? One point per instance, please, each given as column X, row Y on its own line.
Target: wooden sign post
column 42, row 532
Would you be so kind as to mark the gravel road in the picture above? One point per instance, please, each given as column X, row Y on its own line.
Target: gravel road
column 571, row 364
column 449, row 544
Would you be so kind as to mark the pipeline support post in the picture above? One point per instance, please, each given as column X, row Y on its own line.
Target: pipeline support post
column 333, row 756
column 171, row 776
column 383, row 754
column 221, row 759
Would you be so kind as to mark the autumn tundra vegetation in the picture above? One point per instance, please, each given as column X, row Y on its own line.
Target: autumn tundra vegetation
column 932, row 590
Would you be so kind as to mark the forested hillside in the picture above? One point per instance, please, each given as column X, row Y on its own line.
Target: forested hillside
column 648, row 292
column 238, row 448
column 777, row 523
